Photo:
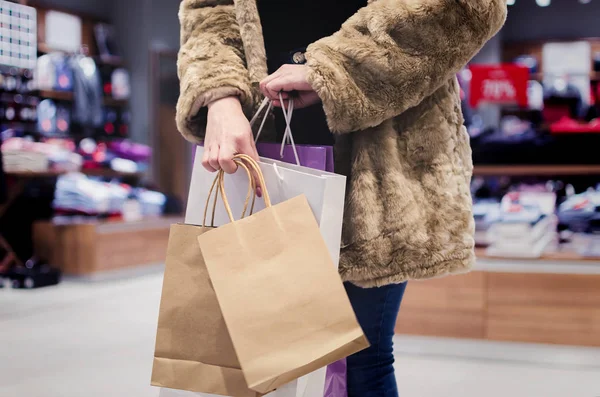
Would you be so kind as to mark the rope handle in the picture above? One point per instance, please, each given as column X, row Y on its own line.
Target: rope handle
column 217, row 181
column 249, row 164
column 288, row 138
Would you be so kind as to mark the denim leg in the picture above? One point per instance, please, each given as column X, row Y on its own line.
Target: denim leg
column 371, row 371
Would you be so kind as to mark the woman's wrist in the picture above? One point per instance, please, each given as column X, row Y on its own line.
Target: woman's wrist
column 229, row 102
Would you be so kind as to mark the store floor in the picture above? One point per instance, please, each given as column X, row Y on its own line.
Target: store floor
column 96, row 340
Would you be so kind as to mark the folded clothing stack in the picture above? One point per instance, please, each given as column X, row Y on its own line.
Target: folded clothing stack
column 121, row 156
column 130, row 151
column 22, row 155
column 580, row 214
column 77, row 193
column 526, row 225
column 486, row 213
column 151, row 203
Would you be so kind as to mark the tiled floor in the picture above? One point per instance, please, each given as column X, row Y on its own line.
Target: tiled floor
column 96, row 340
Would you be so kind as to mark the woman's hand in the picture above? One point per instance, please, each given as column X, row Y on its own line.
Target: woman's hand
column 228, row 133
column 291, row 81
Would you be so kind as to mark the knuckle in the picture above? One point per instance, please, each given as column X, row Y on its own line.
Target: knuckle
column 239, row 139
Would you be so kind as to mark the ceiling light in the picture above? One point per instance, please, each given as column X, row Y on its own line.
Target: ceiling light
column 543, row 3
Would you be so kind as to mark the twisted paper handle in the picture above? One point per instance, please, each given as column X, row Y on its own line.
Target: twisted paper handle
column 288, row 138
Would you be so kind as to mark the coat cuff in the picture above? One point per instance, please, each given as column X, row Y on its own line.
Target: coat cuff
column 192, row 110
column 324, row 77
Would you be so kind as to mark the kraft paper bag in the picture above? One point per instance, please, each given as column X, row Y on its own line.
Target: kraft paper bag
column 325, row 192
column 194, row 351
column 280, row 294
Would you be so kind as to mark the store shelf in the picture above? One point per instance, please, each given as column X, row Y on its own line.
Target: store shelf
column 56, row 95
column 99, row 172
column 94, row 247
column 110, row 61
column 68, row 96
column 106, row 173
column 535, row 170
column 100, row 60
column 563, row 256
column 594, row 76
column 114, row 102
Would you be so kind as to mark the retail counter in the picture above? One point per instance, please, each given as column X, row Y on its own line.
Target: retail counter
column 84, row 248
column 555, row 299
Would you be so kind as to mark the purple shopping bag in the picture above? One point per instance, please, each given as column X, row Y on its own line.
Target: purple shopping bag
column 316, row 157
column 335, row 380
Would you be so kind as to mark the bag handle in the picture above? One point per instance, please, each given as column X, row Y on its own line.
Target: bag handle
column 249, row 164
column 288, row 138
column 216, row 182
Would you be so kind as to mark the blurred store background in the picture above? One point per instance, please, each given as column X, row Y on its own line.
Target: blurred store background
column 93, row 172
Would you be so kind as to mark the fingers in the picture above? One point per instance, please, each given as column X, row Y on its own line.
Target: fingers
column 281, row 84
column 289, row 73
column 210, row 160
column 226, row 162
column 216, row 158
column 267, row 80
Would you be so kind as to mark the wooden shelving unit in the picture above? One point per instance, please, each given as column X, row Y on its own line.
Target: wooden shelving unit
column 594, row 76
column 99, row 172
column 566, row 256
column 536, row 170
column 56, row 95
column 116, row 103
column 92, row 247
column 68, row 96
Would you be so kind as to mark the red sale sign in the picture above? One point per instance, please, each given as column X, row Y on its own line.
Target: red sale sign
column 500, row 84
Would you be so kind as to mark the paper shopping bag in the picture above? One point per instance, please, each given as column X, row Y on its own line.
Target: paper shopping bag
column 194, row 351
column 324, row 191
column 281, row 296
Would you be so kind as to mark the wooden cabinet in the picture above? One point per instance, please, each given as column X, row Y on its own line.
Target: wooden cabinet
column 545, row 305
column 89, row 248
column 452, row 306
column 546, row 308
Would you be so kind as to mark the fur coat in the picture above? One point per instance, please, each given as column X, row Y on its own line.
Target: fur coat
column 388, row 86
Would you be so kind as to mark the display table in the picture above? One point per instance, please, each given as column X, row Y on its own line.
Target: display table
column 86, row 248
column 555, row 299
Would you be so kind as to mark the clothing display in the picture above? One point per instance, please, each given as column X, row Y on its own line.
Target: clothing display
column 3, row 188
column 581, row 213
column 495, row 146
column 152, row 203
column 22, row 155
column 88, row 92
column 80, row 194
column 382, row 109
column 77, row 193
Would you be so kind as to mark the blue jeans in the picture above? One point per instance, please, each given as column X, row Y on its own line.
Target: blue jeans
column 371, row 371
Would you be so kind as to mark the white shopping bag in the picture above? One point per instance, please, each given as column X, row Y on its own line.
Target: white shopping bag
column 312, row 385
column 325, row 192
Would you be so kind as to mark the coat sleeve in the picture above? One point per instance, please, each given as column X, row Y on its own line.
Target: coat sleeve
column 211, row 63
column 392, row 54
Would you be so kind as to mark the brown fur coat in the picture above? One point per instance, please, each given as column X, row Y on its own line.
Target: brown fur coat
column 388, row 86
